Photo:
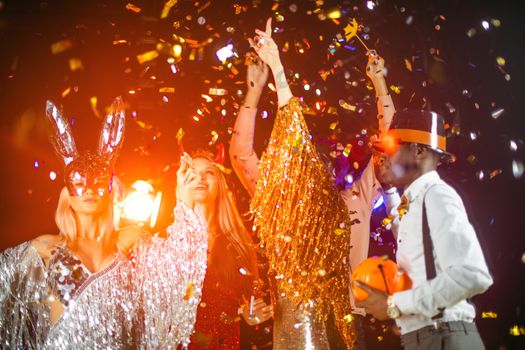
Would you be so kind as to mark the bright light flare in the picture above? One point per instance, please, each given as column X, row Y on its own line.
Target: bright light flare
column 142, row 205
column 225, row 53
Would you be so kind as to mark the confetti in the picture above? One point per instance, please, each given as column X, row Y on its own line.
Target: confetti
column 61, row 46
column 133, row 8
column 498, row 112
column 75, row 64
column 217, row 92
column 517, row 169
column 147, row 56
column 224, row 53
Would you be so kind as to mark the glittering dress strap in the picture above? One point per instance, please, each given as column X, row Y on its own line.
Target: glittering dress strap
column 24, row 317
column 169, row 275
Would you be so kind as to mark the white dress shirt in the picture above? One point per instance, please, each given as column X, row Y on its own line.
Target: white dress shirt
column 460, row 266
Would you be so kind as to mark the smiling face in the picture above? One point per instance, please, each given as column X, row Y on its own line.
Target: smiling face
column 206, row 189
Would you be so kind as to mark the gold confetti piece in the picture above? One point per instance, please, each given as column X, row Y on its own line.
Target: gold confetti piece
column 347, row 105
column 489, row 314
column 66, row 92
column 339, row 231
column 169, row 90
column 167, row 8
column 93, row 101
column 334, row 14
column 214, row 137
column 500, row 61
column 334, row 125
column 234, row 70
column 347, row 150
column 516, row 330
column 348, row 318
column 75, row 64
column 144, row 125
column 217, row 92
column 351, row 32
column 176, row 50
column 408, row 65
column 395, row 89
column 495, row 22
column 61, row 46
column 118, row 42
column 472, row 159
column 190, row 289
column 133, row 8
column 351, row 29
column 147, row 56
column 180, row 134
column 321, row 272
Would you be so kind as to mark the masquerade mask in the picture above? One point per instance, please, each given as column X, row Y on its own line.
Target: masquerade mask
column 88, row 169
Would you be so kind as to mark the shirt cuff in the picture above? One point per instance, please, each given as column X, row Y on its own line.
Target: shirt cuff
column 392, row 201
column 404, row 301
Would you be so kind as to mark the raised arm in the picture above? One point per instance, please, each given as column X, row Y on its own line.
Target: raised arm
column 375, row 70
column 369, row 184
column 169, row 273
column 268, row 51
column 243, row 157
column 361, row 197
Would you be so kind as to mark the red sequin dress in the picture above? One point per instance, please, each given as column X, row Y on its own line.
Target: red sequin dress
column 217, row 325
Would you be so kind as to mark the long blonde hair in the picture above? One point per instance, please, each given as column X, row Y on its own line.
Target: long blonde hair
column 65, row 217
column 230, row 222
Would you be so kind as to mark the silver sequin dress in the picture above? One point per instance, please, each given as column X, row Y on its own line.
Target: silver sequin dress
column 146, row 300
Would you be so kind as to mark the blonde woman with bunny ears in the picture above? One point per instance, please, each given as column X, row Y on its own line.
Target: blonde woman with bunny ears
column 92, row 286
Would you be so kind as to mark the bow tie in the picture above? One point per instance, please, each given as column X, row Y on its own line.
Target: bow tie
column 402, row 209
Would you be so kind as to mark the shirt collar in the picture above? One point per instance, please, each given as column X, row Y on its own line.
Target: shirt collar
column 420, row 184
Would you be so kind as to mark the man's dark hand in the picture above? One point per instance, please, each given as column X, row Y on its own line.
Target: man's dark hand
column 376, row 303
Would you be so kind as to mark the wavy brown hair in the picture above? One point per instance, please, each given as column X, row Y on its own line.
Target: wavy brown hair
column 230, row 225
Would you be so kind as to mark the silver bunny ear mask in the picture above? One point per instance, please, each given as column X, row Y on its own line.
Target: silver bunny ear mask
column 88, row 169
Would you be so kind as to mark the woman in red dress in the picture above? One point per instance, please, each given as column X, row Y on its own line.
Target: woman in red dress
column 231, row 277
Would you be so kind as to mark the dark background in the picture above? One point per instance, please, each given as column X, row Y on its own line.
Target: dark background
column 451, row 72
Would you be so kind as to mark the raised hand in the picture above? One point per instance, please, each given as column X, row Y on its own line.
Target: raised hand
column 261, row 312
column 375, row 70
column 265, row 47
column 186, row 180
column 257, row 74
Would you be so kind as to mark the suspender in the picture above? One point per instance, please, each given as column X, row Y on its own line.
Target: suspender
column 428, row 251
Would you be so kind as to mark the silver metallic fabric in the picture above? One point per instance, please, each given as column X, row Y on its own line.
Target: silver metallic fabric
column 146, row 300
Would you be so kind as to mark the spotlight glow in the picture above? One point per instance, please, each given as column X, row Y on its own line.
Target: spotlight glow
column 142, row 205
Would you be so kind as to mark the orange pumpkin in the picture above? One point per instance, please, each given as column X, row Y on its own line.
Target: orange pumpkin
column 380, row 273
